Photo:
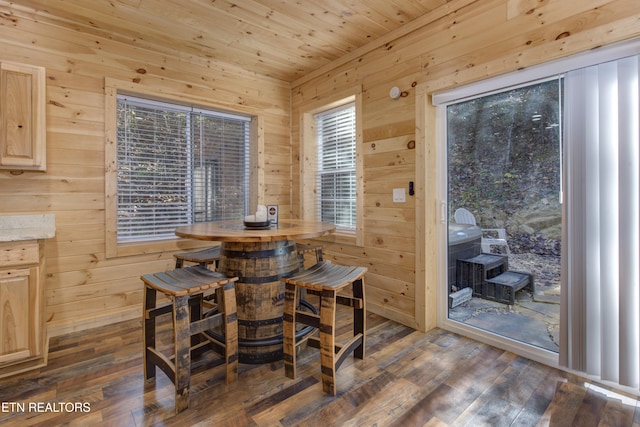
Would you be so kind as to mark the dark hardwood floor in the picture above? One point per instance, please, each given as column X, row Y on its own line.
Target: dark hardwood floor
column 408, row 378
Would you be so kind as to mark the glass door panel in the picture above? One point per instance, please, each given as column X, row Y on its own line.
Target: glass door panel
column 504, row 212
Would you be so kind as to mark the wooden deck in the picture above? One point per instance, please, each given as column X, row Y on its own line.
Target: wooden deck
column 408, row 378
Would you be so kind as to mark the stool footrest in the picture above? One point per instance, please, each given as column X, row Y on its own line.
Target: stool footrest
column 205, row 324
column 308, row 319
column 161, row 361
column 349, row 301
column 344, row 350
column 158, row 311
column 313, row 342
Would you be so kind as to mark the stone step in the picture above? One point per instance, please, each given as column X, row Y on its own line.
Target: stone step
column 504, row 286
column 460, row 297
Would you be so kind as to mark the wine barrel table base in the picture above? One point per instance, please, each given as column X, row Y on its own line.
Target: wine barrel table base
column 259, row 294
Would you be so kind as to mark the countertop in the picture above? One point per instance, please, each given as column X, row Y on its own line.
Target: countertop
column 27, row 227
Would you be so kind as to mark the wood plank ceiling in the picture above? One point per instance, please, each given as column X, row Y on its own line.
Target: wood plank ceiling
column 283, row 39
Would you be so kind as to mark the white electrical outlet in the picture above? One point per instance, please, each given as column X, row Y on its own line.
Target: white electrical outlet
column 398, row 195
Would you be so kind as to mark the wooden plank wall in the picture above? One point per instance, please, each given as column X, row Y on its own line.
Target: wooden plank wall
column 460, row 42
column 83, row 287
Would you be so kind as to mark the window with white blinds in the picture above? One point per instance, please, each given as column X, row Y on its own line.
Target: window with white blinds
column 336, row 133
column 178, row 165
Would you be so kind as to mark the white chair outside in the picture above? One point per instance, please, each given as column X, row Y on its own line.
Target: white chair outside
column 490, row 236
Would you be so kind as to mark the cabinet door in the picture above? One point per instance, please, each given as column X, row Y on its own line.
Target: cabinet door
column 18, row 311
column 22, row 117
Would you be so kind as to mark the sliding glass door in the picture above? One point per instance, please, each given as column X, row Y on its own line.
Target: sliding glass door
column 504, row 212
column 549, row 167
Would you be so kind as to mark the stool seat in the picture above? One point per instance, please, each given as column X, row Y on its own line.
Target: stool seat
column 185, row 281
column 325, row 279
column 326, row 275
column 185, row 288
column 203, row 257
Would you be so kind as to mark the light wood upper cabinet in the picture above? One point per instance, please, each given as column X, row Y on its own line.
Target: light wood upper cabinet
column 22, row 117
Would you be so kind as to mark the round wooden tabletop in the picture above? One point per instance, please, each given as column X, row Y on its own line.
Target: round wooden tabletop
column 235, row 231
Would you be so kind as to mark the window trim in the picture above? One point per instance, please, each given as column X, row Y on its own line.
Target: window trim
column 114, row 87
column 309, row 161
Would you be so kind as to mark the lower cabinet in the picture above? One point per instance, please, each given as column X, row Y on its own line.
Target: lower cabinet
column 23, row 342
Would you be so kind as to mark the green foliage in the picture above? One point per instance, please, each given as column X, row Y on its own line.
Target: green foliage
column 504, row 150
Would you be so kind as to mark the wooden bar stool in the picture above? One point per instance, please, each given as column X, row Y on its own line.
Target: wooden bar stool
column 203, row 257
column 185, row 289
column 326, row 279
column 304, row 248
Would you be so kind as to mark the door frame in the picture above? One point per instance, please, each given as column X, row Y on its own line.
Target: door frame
column 432, row 237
